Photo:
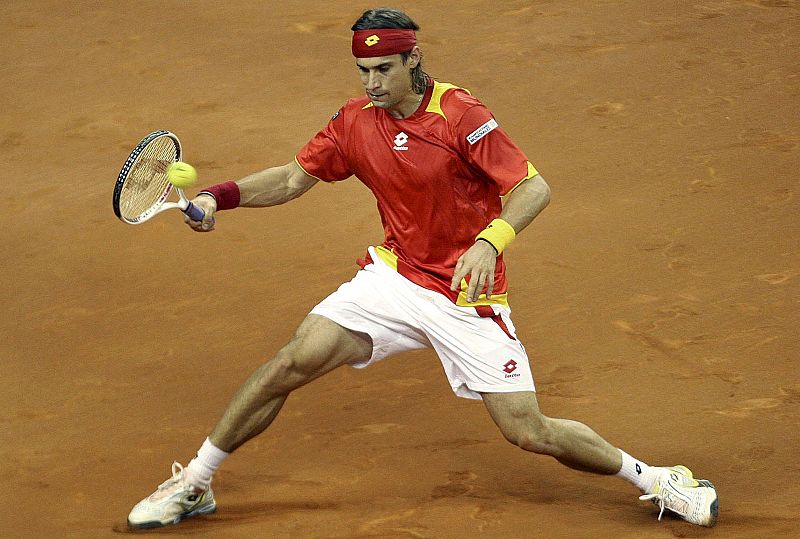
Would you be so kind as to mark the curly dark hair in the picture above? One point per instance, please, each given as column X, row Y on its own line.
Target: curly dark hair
column 384, row 17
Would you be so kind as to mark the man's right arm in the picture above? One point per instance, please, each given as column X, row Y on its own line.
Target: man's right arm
column 270, row 187
column 274, row 186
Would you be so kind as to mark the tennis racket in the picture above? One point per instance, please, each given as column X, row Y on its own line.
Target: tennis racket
column 142, row 187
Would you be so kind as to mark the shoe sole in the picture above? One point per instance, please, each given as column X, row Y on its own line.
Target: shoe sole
column 158, row 524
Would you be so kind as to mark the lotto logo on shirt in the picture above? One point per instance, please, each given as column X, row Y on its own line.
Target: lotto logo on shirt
column 400, row 141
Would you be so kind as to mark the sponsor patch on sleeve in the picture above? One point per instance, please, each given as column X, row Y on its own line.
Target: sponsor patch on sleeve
column 482, row 131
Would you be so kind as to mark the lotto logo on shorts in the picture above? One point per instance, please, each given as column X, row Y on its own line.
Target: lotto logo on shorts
column 509, row 369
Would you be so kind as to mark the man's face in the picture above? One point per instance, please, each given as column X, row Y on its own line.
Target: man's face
column 386, row 79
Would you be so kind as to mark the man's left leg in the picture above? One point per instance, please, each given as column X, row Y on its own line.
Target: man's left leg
column 579, row 447
column 571, row 443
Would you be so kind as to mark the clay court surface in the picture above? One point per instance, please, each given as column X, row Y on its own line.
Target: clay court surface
column 657, row 295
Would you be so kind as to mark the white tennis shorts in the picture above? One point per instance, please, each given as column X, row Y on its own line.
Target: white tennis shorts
column 478, row 354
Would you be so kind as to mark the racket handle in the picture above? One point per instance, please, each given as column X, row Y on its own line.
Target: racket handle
column 194, row 213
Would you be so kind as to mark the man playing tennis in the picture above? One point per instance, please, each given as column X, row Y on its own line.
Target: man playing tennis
column 438, row 164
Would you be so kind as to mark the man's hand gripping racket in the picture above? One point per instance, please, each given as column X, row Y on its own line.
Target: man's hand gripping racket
column 142, row 187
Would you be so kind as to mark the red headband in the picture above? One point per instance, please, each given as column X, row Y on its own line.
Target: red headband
column 382, row 42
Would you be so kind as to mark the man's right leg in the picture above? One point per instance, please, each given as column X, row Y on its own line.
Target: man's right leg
column 318, row 346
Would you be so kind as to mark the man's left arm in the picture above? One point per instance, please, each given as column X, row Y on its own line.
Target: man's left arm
column 521, row 207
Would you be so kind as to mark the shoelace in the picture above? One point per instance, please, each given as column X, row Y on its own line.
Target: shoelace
column 177, row 474
column 660, row 501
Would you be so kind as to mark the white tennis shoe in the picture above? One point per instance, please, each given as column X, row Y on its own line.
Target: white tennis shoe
column 172, row 501
column 678, row 491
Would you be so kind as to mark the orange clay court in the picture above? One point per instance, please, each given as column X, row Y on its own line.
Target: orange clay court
column 657, row 295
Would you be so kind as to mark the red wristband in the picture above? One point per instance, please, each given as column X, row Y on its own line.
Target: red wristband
column 226, row 194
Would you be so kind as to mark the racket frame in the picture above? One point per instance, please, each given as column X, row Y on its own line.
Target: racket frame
column 161, row 204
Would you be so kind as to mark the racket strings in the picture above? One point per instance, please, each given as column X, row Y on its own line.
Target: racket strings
column 147, row 184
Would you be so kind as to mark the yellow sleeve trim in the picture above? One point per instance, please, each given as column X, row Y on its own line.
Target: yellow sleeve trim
column 531, row 173
column 306, row 172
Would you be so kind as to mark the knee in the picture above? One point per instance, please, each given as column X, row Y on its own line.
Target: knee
column 285, row 372
column 536, row 435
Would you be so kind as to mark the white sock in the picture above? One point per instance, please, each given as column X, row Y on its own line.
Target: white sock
column 637, row 472
column 202, row 467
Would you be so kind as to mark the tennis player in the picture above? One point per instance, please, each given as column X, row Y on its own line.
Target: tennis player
column 453, row 191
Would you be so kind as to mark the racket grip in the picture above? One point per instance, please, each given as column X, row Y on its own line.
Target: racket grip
column 194, row 213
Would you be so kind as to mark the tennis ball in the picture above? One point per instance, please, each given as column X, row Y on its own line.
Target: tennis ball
column 181, row 174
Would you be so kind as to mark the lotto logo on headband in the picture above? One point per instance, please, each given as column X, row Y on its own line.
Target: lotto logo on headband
column 382, row 42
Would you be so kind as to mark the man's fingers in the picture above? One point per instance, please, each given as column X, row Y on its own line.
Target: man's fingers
column 457, row 274
column 489, row 285
column 476, row 263
column 208, row 206
column 476, row 284
column 481, row 284
column 207, row 225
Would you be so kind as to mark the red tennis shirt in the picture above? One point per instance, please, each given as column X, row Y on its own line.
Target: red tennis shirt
column 437, row 175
